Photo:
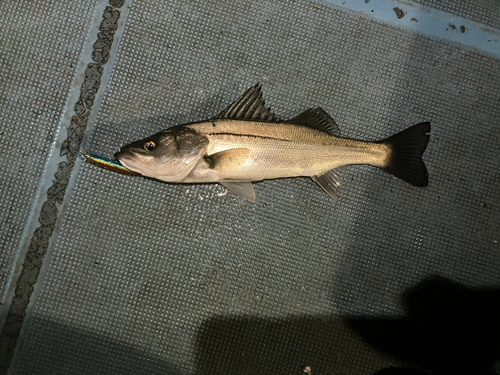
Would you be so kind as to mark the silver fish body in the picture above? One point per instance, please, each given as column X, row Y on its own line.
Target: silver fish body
column 246, row 143
column 263, row 150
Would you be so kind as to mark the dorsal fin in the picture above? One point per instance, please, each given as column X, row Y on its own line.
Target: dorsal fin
column 250, row 106
column 318, row 119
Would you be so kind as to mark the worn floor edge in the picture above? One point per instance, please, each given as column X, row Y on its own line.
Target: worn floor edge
column 49, row 169
column 58, row 170
column 427, row 21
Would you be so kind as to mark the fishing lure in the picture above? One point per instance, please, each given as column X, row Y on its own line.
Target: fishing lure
column 112, row 165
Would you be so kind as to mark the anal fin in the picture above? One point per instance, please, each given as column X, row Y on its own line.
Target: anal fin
column 243, row 189
column 329, row 182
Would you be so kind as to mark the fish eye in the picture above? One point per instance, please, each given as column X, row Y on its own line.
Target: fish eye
column 149, row 146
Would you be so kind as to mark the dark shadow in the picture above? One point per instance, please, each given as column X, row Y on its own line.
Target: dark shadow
column 250, row 345
column 65, row 349
column 401, row 371
column 448, row 328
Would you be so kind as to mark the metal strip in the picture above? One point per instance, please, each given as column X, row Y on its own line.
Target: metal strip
column 427, row 21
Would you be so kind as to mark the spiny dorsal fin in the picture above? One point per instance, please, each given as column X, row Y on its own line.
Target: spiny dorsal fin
column 250, row 106
column 329, row 182
column 318, row 119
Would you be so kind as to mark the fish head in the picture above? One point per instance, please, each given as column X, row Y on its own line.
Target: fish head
column 168, row 156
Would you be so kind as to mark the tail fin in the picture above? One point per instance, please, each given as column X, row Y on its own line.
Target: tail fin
column 407, row 148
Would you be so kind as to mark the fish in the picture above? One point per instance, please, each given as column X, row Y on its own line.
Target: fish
column 247, row 142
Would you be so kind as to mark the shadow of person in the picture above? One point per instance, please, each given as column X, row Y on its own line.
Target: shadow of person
column 449, row 329
column 401, row 371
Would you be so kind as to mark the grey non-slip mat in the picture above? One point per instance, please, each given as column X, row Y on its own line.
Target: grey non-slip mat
column 144, row 277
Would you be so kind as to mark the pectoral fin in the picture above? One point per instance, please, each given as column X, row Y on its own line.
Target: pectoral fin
column 228, row 160
column 243, row 189
column 329, row 182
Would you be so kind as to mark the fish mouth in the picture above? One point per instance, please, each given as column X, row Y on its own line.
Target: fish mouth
column 118, row 155
column 124, row 157
column 124, row 154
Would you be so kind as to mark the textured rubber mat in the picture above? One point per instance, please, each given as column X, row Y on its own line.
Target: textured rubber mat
column 36, row 69
column 145, row 277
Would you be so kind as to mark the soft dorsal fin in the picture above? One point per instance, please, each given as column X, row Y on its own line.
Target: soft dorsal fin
column 318, row 119
column 250, row 106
